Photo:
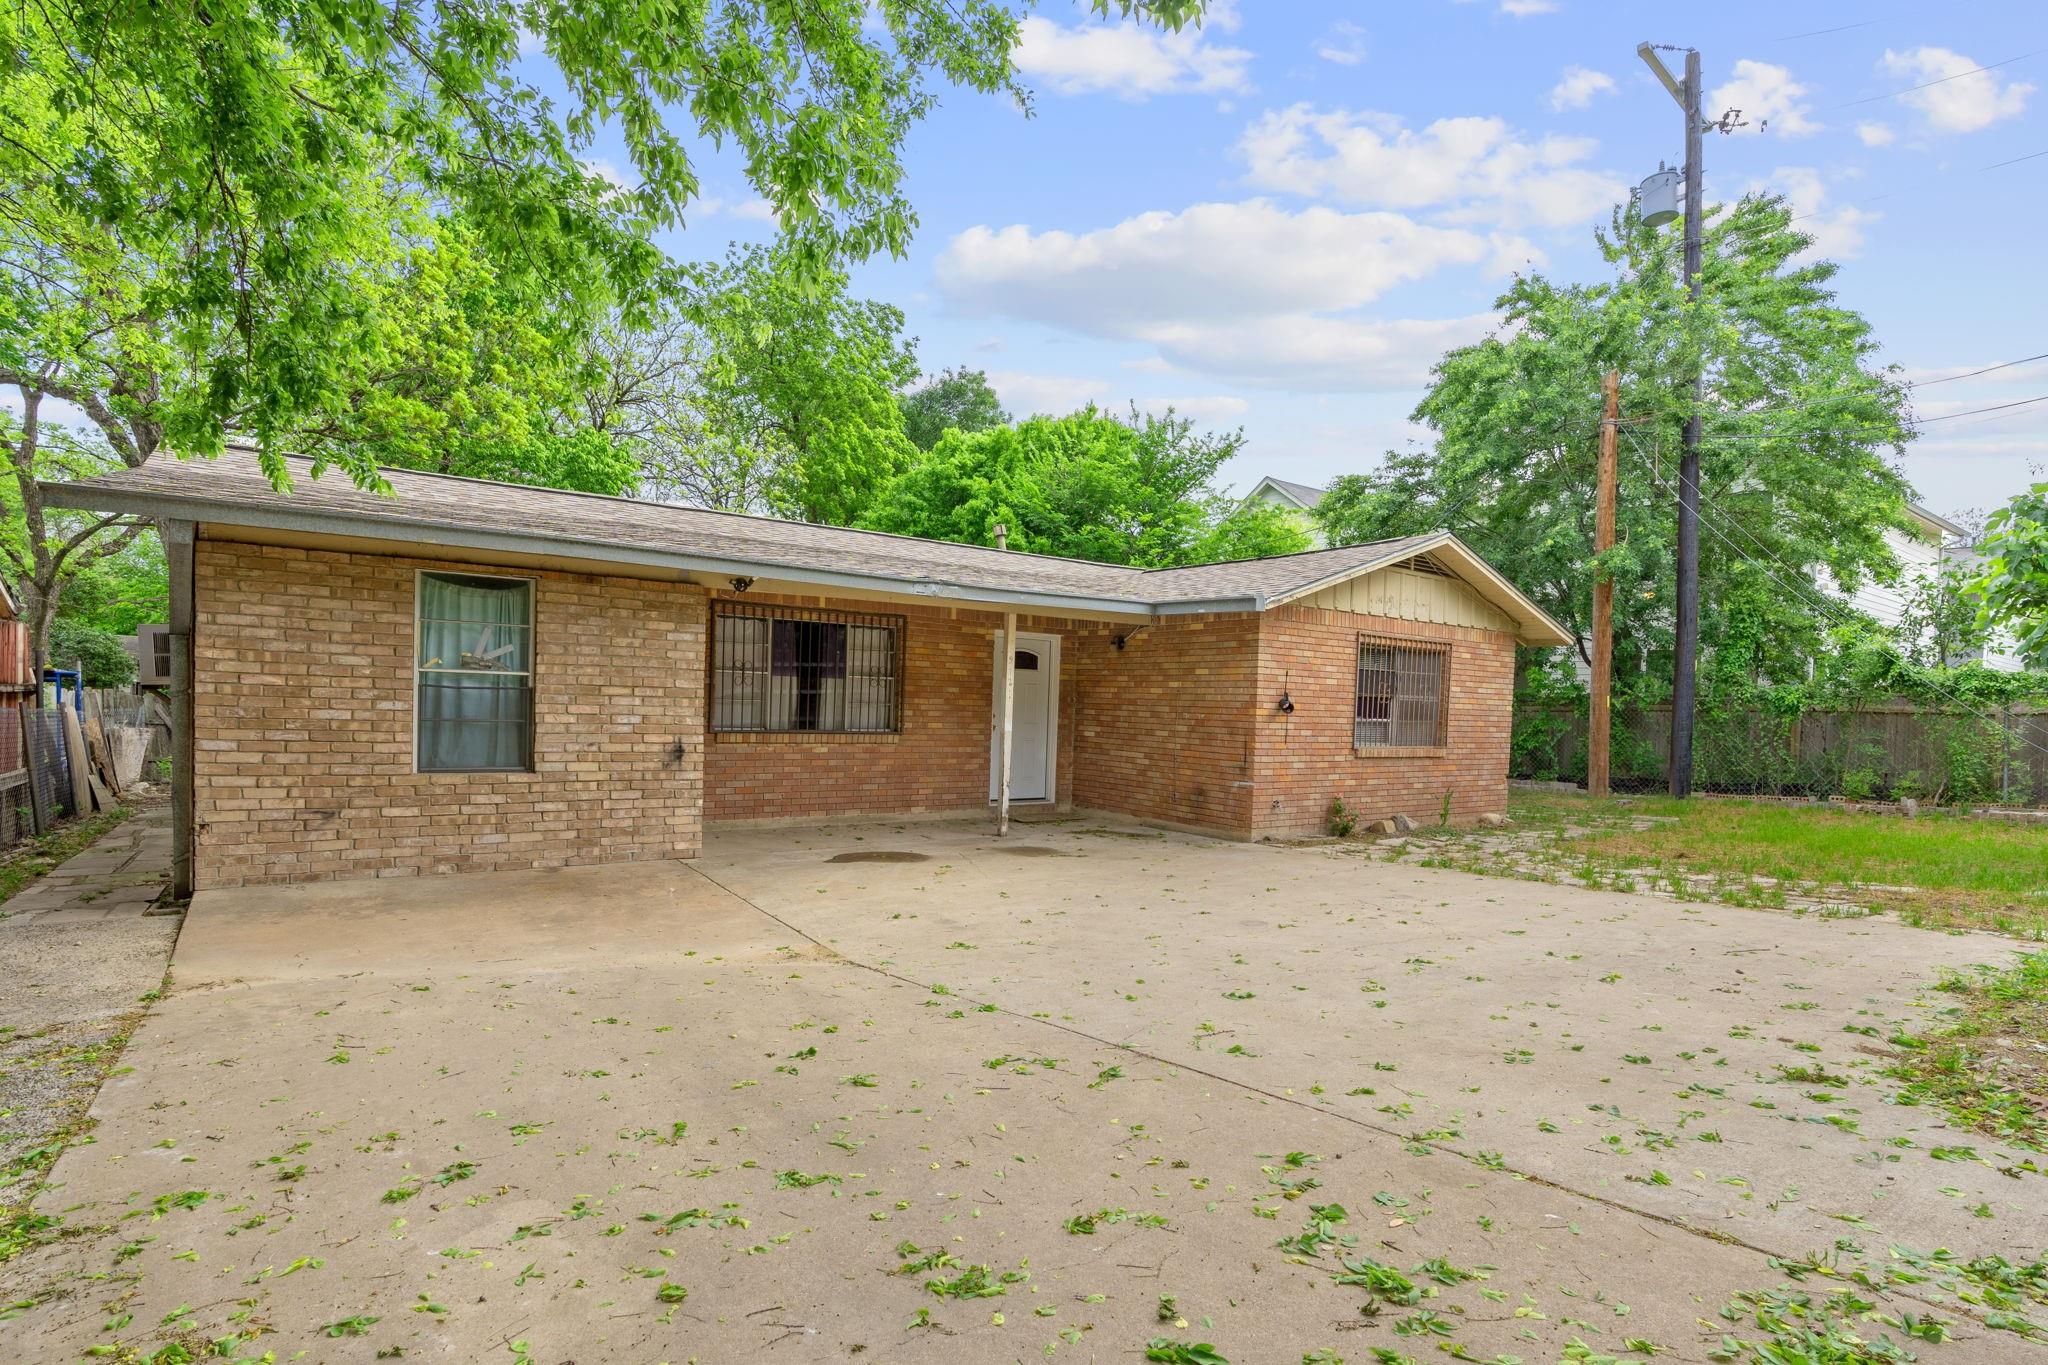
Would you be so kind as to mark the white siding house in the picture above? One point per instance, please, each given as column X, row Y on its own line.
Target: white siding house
column 1932, row 542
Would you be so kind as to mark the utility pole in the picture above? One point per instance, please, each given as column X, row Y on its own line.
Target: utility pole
column 1597, row 717
column 1685, row 651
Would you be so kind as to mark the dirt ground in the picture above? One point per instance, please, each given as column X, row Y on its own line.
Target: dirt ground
column 901, row 1093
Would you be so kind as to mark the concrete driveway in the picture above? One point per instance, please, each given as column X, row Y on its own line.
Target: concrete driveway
column 899, row 1092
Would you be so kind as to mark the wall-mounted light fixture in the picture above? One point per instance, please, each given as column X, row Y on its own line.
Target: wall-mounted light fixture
column 1286, row 704
column 742, row 584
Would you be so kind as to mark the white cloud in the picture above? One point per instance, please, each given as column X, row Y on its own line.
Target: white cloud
column 1130, row 60
column 1026, row 394
column 1250, row 292
column 1321, row 353
column 1961, row 103
column 1577, row 87
column 1524, row 9
column 1876, row 134
column 1765, row 94
column 1375, row 160
column 1208, row 262
column 1838, row 233
column 1344, row 44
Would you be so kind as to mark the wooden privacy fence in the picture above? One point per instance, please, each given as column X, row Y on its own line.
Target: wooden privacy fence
column 1889, row 749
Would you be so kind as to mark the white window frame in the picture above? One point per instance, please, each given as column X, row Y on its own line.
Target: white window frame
column 532, row 658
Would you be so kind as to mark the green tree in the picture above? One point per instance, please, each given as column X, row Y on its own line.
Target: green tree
column 770, row 392
column 104, row 660
column 1136, row 490
column 221, row 184
column 2013, row 587
column 1795, row 480
column 952, row 400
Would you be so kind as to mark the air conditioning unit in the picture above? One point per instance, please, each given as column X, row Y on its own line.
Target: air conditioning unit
column 153, row 656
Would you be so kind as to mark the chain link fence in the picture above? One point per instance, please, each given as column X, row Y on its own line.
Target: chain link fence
column 1882, row 752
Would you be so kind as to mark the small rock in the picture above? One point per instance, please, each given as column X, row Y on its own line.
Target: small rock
column 1493, row 820
column 1403, row 823
column 1380, row 827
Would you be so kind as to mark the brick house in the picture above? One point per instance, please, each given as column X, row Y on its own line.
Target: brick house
column 471, row 676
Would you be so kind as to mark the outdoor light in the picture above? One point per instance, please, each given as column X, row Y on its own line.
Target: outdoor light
column 742, row 584
column 1286, row 704
column 1658, row 195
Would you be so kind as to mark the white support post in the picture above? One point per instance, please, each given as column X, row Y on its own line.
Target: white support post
column 1007, row 720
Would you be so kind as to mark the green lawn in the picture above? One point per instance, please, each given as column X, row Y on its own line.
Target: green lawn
column 1941, row 870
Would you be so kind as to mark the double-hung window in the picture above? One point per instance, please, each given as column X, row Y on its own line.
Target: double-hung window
column 475, row 673
column 1402, row 691
column 778, row 670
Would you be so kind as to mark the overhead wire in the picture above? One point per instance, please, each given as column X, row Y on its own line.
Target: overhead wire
column 1940, row 80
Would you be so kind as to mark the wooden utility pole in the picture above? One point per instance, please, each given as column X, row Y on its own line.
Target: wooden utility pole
column 1007, row 719
column 1597, row 717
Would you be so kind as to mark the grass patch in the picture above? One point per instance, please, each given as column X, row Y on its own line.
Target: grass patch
column 1939, row 871
column 24, row 865
column 1989, row 1069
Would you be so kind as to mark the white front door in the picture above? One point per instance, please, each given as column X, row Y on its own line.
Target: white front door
column 1035, row 724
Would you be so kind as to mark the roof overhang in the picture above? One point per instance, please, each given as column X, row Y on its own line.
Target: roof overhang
column 400, row 535
column 1533, row 625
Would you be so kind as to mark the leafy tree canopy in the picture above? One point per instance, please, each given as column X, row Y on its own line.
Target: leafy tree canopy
column 769, row 392
column 2014, row 585
column 1132, row 490
column 953, row 400
column 1795, row 480
column 225, row 202
column 105, row 661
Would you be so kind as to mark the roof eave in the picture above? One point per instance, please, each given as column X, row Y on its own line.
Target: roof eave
column 131, row 503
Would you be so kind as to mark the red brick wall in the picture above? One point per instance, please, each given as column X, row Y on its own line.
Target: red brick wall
column 939, row 761
column 1307, row 759
column 304, row 716
column 1165, row 730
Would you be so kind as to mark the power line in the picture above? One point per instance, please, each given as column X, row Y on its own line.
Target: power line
column 1972, row 374
column 1975, row 70
column 2014, row 162
column 1820, row 32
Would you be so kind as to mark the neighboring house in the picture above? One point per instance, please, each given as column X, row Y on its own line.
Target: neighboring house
column 1298, row 498
column 470, row 676
column 1931, row 542
column 150, row 647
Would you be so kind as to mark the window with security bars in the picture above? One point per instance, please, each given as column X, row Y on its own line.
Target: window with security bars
column 778, row 670
column 1402, row 692
column 475, row 673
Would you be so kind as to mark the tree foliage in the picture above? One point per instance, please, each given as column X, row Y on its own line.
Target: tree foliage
column 785, row 397
column 231, row 198
column 2014, row 584
column 952, row 400
column 1795, row 479
column 1130, row 490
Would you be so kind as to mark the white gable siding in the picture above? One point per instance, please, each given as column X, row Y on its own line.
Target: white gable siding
column 1407, row 595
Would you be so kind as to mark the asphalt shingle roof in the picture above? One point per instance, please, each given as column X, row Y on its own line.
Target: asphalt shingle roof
column 233, row 489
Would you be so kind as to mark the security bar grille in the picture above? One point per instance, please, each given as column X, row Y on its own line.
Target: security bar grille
column 1402, row 686
column 788, row 670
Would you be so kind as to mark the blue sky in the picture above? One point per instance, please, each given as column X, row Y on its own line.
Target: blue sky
column 1278, row 222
